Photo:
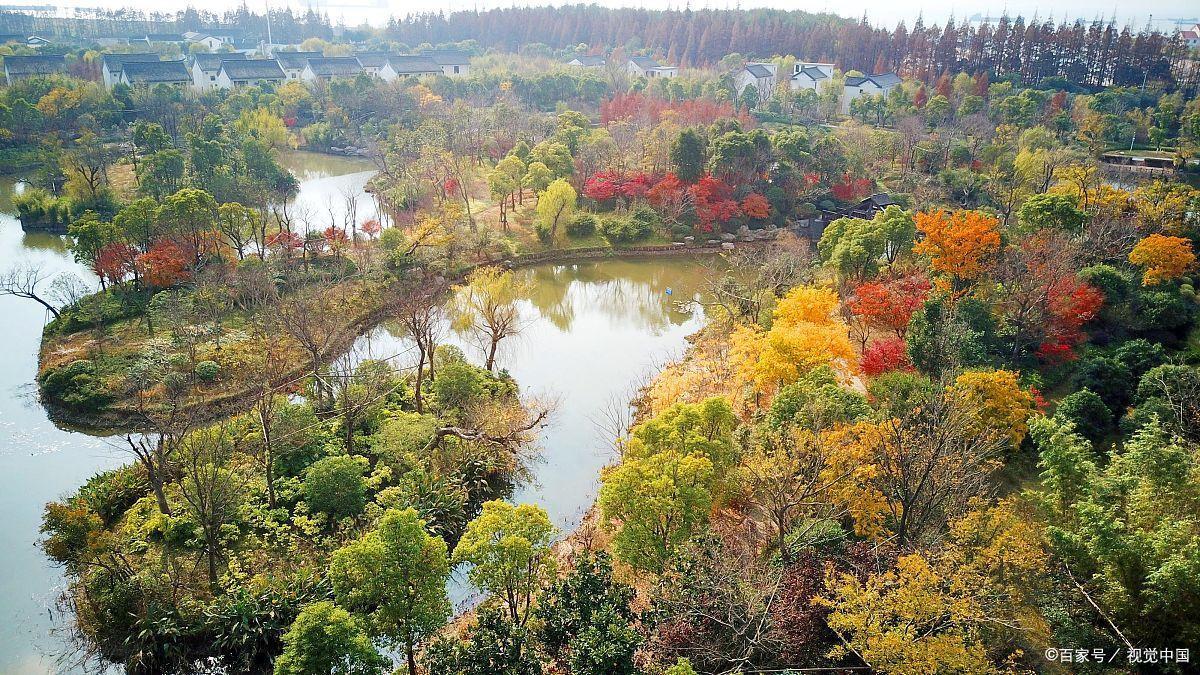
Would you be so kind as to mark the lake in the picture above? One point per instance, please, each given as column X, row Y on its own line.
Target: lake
column 593, row 332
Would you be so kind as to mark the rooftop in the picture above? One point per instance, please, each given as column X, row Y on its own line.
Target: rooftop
column 590, row 60
column 449, row 57
column 336, row 66
column 758, row 70
column 114, row 62
column 296, row 60
column 413, row 63
column 152, row 72
column 35, row 65
column 252, row 69
column 372, row 59
column 213, row 61
column 645, row 62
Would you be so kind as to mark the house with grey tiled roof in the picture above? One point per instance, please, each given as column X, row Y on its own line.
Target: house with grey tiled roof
column 249, row 73
column 646, row 66
column 206, row 66
column 150, row 73
column 331, row 67
column 293, row 63
column 807, row 75
column 869, row 85
column 587, row 61
column 111, row 65
column 408, row 65
column 759, row 75
column 454, row 62
column 17, row 68
column 371, row 62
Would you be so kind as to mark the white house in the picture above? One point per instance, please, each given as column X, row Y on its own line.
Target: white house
column 867, row 86
column 810, row 75
column 586, row 61
column 371, row 62
column 1191, row 36
column 454, row 63
column 211, row 41
column 150, row 73
column 293, row 63
column 646, row 66
column 111, row 65
column 206, row 66
column 331, row 68
column 760, row 75
column 249, row 73
column 408, row 65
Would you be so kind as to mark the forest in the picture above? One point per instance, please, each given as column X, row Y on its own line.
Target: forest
column 956, row 433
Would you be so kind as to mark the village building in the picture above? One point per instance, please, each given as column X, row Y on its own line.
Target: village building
column 807, row 75
column 206, row 66
column 646, row 66
column 293, row 63
column 17, row 68
column 871, row 85
column 586, row 61
column 372, row 62
column 454, row 63
column 761, row 76
column 408, row 65
column 111, row 65
column 150, row 73
column 331, row 68
column 249, row 73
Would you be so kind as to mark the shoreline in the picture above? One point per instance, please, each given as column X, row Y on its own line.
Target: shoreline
column 116, row 420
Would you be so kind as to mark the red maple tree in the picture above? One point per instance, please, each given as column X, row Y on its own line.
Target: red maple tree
column 885, row 355
column 165, row 264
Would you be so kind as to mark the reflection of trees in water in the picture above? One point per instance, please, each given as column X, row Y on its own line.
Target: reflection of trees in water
column 624, row 291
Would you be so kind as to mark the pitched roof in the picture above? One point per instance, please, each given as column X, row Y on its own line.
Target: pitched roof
column 759, row 71
column 589, row 60
column 35, row 65
column 645, row 62
column 879, row 199
column 413, row 63
column 252, row 69
column 449, row 57
column 213, row 61
column 164, row 37
column 372, row 59
column 812, row 73
column 151, row 72
column 886, row 79
column 114, row 62
column 1189, row 34
column 855, row 81
column 336, row 66
column 295, row 60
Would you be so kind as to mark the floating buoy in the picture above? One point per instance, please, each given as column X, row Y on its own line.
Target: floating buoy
column 668, row 291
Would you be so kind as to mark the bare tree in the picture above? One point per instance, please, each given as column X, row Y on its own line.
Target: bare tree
column 208, row 488
column 22, row 281
column 420, row 310
column 309, row 318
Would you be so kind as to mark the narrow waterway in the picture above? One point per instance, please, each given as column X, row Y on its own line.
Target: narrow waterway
column 593, row 332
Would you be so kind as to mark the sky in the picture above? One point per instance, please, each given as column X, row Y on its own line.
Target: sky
column 1164, row 12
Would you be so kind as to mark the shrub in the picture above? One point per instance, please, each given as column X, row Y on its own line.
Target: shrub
column 1107, row 378
column 582, row 225
column 1140, row 355
column 543, row 232
column 335, row 486
column 638, row 225
column 74, row 386
column 207, row 371
column 1087, row 412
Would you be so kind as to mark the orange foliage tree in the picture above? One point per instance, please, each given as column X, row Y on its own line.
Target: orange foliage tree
column 1162, row 258
column 960, row 244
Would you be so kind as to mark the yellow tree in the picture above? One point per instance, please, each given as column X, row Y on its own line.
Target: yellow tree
column 907, row 620
column 804, row 335
column 1162, row 258
column 1003, row 406
column 486, row 306
column 960, row 244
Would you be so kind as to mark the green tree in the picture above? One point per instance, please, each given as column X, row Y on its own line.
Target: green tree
column 898, row 231
column 585, row 621
column 688, row 155
column 327, row 639
column 508, row 548
column 397, row 575
column 335, row 486
column 852, row 246
column 1051, row 211
column 556, row 206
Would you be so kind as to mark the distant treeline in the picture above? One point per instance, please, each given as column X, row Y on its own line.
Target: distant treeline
column 1090, row 54
column 1094, row 54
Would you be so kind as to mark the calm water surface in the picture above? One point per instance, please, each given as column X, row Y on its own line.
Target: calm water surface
column 593, row 332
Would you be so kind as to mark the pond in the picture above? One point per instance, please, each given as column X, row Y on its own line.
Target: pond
column 593, row 332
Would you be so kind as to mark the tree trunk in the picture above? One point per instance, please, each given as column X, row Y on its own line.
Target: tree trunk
column 412, row 658
column 491, row 357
